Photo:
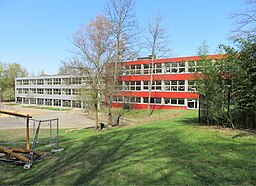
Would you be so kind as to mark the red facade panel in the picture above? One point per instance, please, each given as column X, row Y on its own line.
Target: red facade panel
column 152, row 106
column 184, row 76
column 159, row 94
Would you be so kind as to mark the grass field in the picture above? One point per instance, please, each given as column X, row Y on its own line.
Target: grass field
column 170, row 152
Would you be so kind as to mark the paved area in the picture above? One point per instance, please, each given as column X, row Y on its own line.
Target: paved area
column 67, row 119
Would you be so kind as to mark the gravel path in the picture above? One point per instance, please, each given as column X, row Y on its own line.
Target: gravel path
column 67, row 119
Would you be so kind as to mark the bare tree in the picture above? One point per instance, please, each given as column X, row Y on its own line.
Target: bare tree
column 157, row 42
column 244, row 21
column 122, row 17
column 92, row 52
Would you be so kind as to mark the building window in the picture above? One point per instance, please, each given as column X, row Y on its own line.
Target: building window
column 174, row 67
column 66, row 91
column 66, row 103
column 40, row 101
column 32, row 91
column 48, row 81
column 137, row 69
column 174, row 101
column 157, row 85
column 166, row 101
column 25, row 100
column 192, row 103
column 132, row 71
column 40, row 82
column 126, row 85
column 57, row 81
column 192, row 86
column 138, row 85
column 19, row 82
column 145, row 99
column 182, row 67
column 167, row 85
column 57, row 102
column 48, row 102
column 19, row 100
column 66, row 81
column 25, row 82
column 48, row 91
column 77, row 81
column 132, row 99
column 32, row 82
column 119, row 85
column 181, row 102
column 178, row 85
column 146, row 68
column 76, row 91
column 132, row 87
column 157, row 68
column 25, row 91
column 117, row 99
column 19, row 90
column 145, row 85
column 40, row 91
column 57, row 91
column 33, row 101
column 155, row 100
column 76, row 104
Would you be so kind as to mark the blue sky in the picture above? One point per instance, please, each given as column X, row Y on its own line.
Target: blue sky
column 35, row 33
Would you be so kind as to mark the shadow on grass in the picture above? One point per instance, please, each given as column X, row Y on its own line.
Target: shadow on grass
column 146, row 155
column 189, row 121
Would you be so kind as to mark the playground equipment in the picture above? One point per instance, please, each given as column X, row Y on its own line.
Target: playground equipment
column 24, row 140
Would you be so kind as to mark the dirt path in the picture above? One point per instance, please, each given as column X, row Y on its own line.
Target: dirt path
column 67, row 119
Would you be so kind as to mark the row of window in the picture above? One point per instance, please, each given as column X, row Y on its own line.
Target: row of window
column 51, row 81
column 54, row 91
column 163, row 68
column 191, row 103
column 50, row 102
column 160, row 85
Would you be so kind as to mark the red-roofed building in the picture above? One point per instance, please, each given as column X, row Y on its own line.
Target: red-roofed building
column 173, row 85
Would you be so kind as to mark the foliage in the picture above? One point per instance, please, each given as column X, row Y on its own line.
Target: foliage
column 7, row 82
column 171, row 152
column 8, row 94
column 227, row 86
column 245, row 81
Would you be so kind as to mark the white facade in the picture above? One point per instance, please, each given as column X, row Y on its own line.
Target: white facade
column 56, row 91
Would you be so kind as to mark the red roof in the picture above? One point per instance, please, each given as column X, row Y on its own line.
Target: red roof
column 176, row 59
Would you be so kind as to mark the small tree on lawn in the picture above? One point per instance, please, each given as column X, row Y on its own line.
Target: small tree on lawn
column 227, row 86
column 93, row 50
column 157, row 41
column 213, row 85
column 120, row 14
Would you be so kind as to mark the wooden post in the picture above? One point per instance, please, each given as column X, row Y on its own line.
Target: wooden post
column 16, row 155
column 27, row 133
column 27, row 123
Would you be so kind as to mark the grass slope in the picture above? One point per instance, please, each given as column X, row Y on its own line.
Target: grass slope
column 171, row 152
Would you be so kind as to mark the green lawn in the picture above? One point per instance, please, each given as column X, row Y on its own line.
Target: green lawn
column 170, row 152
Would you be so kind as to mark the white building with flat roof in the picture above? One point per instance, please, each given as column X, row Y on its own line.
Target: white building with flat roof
column 56, row 91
